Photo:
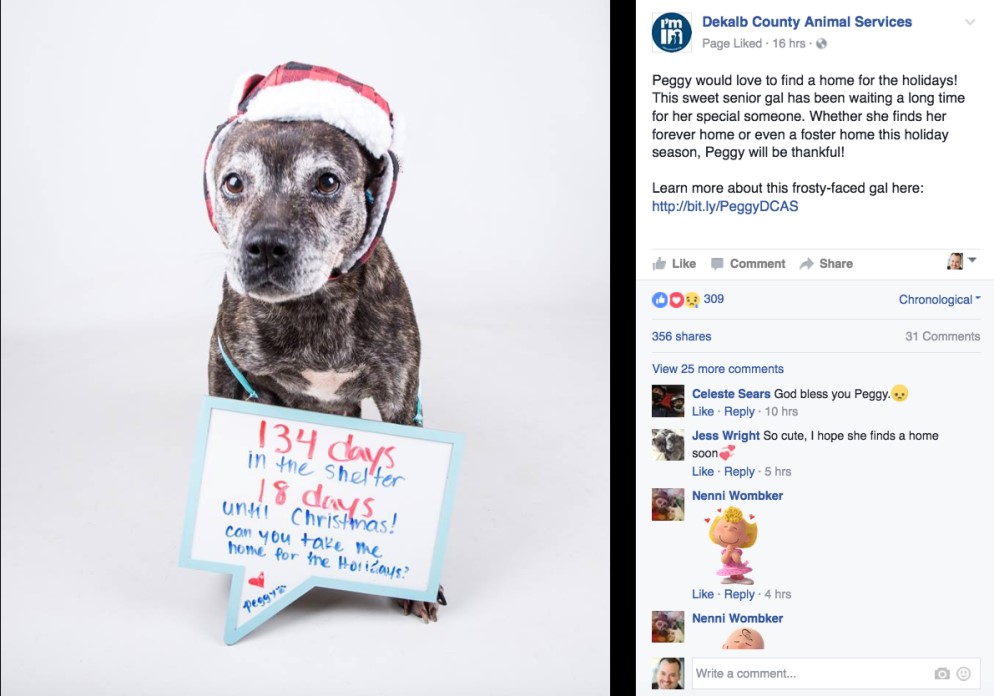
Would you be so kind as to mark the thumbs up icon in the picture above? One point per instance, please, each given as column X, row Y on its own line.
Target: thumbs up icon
column 659, row 264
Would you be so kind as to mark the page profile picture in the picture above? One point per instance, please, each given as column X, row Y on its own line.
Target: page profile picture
column 671, row 32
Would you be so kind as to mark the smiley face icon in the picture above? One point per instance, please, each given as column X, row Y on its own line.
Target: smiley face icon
column 693, row 299
column 899, row 393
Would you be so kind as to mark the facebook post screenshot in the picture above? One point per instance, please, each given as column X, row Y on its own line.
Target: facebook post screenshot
column 813, row 506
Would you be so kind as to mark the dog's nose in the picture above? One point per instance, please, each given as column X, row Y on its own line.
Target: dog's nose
column 268, row 247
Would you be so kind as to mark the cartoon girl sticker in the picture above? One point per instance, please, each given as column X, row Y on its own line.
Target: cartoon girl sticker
column 733, row 533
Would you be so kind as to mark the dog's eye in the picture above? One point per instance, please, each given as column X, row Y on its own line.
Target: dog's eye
column 327, row 183
column 233, row 184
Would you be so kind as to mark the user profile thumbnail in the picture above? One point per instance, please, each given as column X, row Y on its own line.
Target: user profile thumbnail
column 667, row 627
column 667, row 673
column 667, row 444
column 667, row 505
column 667, row 401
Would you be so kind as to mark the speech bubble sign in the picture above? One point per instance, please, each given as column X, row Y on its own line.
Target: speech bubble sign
column 285, row 500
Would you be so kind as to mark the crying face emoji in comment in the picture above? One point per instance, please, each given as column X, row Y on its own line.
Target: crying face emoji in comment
column 899, row 393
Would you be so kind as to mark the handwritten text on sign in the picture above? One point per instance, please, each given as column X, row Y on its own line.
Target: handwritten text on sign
column 286, row 500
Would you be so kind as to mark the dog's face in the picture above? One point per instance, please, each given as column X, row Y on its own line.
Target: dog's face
column 290, row 205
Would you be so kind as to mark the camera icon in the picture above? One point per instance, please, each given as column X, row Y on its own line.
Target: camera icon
column 942, row 673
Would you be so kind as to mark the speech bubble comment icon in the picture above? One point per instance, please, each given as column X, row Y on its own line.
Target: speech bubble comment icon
column 717, row 262
column 286, row 500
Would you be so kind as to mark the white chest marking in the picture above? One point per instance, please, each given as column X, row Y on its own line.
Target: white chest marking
column 325, row 385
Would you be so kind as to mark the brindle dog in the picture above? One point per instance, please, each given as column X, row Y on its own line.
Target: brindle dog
column 293, row 203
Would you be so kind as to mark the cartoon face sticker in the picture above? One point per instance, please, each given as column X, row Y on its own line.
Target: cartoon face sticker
column 744, row 639
column 728, row 533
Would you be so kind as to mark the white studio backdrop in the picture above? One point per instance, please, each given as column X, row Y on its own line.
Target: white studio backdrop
column 111, row 277
column 108, row 108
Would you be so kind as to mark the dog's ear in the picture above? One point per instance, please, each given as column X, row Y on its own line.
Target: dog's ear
column 380, row 187
column 243, row 88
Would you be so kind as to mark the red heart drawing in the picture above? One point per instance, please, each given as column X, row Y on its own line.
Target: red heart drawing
column 751, row 516
column 731, row 448
column 258, row 581
column 725, row 455
column 707, row 519
column 719, row 509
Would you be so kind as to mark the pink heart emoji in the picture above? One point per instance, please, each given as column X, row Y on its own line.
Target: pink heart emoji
column 707, row 519
column 731, row 448
column 724, row 455
column 259, row 581
column 751, row 517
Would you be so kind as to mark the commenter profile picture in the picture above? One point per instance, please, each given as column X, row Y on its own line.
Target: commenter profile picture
column 671, row 32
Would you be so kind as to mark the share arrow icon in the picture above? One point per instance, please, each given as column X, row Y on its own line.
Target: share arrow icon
column 808, row 264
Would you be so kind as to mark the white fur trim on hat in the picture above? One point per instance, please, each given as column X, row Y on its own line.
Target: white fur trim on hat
column 399, row 138
column 335, row 104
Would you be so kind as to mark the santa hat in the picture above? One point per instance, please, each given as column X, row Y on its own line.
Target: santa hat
column 300, row 92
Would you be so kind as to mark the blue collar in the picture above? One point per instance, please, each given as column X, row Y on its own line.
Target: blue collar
column 236, row 372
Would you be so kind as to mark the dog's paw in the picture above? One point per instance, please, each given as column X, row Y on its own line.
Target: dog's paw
column 426, row 611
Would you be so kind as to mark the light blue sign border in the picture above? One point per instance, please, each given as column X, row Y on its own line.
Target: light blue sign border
column 233, row 634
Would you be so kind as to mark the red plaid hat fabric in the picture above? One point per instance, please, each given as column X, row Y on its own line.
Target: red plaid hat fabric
column 295, row 72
